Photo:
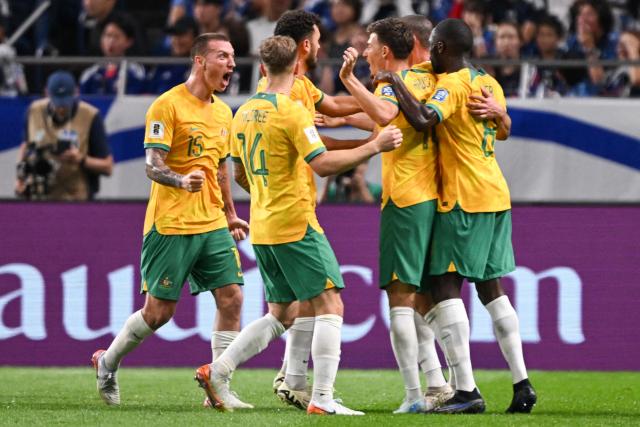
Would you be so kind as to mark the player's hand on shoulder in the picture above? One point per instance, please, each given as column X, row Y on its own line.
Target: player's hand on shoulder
column 389, row 138
column 484, row 106
column 193, row 181
column 238, row 227
column 383, row 76
column 350, row 57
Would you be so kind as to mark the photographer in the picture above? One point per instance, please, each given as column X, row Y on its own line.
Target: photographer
column 65, row 148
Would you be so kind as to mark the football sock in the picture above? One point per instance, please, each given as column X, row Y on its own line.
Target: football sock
column 254, row 338
column 134, row 331
column 430, row 318
column 427, row 355
column 220, row 340
column 507, row 330
column 453, row 326
column 404, row 342
column 299, row 343
column 325, row 350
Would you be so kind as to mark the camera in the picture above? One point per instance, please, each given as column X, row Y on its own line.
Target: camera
column 37, row 170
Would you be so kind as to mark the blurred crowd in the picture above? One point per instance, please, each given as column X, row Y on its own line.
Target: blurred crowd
column 514, row 30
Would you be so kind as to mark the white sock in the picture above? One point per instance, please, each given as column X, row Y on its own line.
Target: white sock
column 134, row 331
column 427, row 356
column 299, row 344
column 325, row 350
column 507, row 330
column 453, row 325
column 404, row 342
column 220, row 340
column 285, row 356
column 430, row 318
column 254, row 338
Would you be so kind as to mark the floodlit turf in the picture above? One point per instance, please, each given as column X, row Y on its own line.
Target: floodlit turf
column 32, row 396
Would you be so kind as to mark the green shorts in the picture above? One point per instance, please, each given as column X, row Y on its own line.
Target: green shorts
column 209, row 260
column 476, row 245
column 404, row 242
column 299, row 270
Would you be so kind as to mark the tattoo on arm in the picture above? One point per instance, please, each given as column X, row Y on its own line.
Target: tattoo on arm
column 158, row 171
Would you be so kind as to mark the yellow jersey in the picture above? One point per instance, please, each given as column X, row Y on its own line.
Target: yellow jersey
column 196, row 136
column 274, row 138
column 409, row 173
column 469, row 171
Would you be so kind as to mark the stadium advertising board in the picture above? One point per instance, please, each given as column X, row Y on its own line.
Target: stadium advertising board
column 69, row 278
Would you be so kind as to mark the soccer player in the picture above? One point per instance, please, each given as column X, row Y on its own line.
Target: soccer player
column 409, row 192
column 290, row 384
column 472, row 232
column 190, row 217
column 272, row 136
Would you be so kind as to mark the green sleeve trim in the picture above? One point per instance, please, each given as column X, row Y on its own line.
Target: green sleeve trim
column 236, row 159
column 317, row 104
column 314, row 154
column 391, row 101
column 437, row 110
column 164, row 147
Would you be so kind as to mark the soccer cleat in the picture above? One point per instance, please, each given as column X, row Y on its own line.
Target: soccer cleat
column 418, row 406
column 298, row 398
column 463, row 402
column 524, row 398
column 212, row 387
column 107, row 380
column 436, row 396
column 331, row 408
column 232, row 401
column 279, row 379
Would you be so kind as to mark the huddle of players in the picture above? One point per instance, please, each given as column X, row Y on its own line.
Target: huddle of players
column 276, row 148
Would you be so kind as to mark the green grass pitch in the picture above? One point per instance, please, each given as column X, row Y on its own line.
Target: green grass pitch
column 157, row 397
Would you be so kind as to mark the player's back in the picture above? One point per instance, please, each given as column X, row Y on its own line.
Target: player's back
column 471, row 176
column 273, row 136
column 409, row 172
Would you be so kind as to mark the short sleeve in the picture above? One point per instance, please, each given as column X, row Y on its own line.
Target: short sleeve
column 316, row 94
column 234, row 144
column 226, row 134
column 385, row 92
column 446, row 98
column 304, row 135
column 159, row 125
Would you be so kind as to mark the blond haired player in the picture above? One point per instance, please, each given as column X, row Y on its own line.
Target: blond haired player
column 272, row 136
column 190, row 217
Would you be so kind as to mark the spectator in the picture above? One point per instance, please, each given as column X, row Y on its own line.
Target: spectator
column 378, row 9
column 548, row 81
column 208, row 15
column 165, row 76
column 65, row 149
column 12, row 79
column 345, row 15
column 475, row 16
column 624, row 81
column 593, row 39
column 508, row 47
column 111, row 78
column 93, row 18
column 262, row 27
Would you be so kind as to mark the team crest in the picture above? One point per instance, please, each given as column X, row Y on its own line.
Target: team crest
column 440, row 95
column 166, row 283
column 156, row 130
column 388, row 91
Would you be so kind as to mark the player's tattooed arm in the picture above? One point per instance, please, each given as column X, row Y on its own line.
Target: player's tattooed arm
column 240, row 176
column 158, row 171
column 421, row 117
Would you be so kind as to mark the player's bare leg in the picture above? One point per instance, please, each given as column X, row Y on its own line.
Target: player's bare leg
column 506, row 328
column 325, row 350
column 155, row 313
column 404, row 341
column 438, row 390
column 214, row 378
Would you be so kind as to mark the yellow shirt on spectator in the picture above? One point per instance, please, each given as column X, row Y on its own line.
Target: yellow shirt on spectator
column 196, row 136
column 469, row 171
column 409, row 173
column 273, row 136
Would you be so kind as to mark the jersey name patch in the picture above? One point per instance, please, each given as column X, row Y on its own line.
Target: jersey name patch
column 440, row 95
column 156, row 130
column 312, row 135
column 388, row 91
